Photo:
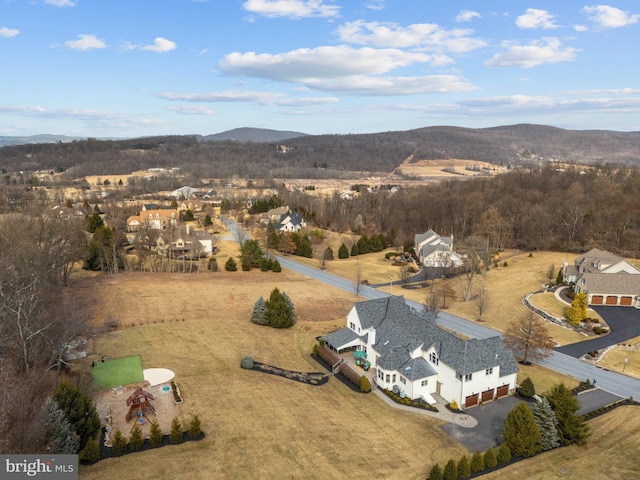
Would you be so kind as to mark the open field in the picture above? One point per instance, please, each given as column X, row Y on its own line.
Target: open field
column 447, row 168
column 610, row 453
column 258, row 426
column 615, row 359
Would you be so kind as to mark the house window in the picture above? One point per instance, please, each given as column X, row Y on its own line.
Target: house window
column 380, row 375
column 424, row 383
column 157, row 215
column 388, row 378
column 352, row 326
column 489, row 371
column 403, row 380
column 433, row 358
column 458, row 376
column 467, row 377
column 394, row 378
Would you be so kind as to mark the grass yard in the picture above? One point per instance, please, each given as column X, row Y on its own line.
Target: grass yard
column 117, row 372
column 257, row 425
column 615, row 359
column 610, row 453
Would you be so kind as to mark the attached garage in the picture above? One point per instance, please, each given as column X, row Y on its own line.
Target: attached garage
column 502, row 391
column 611, row 300
column 597, row 300
column 471, row 401
column 487, row 395
column 626, row 301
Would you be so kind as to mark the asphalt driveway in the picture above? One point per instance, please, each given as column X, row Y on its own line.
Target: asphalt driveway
column 624, row 323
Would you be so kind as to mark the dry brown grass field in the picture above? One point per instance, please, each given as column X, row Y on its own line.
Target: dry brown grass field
column 257, row 425
column 615, row 359
column 447, row 168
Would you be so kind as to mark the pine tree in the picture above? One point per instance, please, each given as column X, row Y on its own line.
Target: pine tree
column 135, row 440
column 450, row 471
column 365, row 384
column 230, row 265
column 79, row 410
column 259, row 309
column 571, row 428
column 577, row 312
column 490, row 459
column 560, row 278
column 59, row 432
column 435, row 473
column 175, row 434
column 464, row 470
column 547, row 424
column 477, row 462
column 119, row 443
column 276, row 267
column 504, row 453
column 354, row 250
column 278, row 313
column 526, row 388
column 520, row 432
column 195, row 427
column 343, row 252
column 155, row 434
column 91, row 452
column 290, row 303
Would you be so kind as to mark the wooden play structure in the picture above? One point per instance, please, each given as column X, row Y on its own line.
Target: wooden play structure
column 137, row 402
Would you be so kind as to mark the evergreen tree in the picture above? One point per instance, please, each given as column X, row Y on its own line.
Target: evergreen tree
column 363, row 244
column 343, row 252
column 195, row 427
column 135, row 440
column 547, row 424
column 175, row 434
column 303, row 245
column 504, row 453
column 79, row 411
column 230, row 265
column 155, row 434
column 246, row 266
column 435, row 473
column 571, row 427
column 259, row 309
column 278, row 312
column 93, row 222
column 490, row 459
column 365, row 384
column 450, row 471
column 354, row 250
column 91, row 452
column 276, row 267
column 520, row 432
column 526, row 388
column 291, row 307
column 477, row 462
column 59, row 432
column 464, row 470
column 559, row 278
column 119, row 443
column 212, row 265
column 577, row 312
column 251, row 253
column 207, row 220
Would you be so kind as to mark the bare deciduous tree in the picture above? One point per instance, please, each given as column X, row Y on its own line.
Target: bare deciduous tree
column 482, row 302
column 528, row 337
column 404, row 274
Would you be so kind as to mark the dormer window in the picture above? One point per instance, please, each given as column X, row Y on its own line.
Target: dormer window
column 433, row 358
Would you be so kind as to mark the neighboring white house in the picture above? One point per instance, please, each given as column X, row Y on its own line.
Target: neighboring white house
column 291, row 222
column 436, row 251
column 606, row 278
column 409, row 351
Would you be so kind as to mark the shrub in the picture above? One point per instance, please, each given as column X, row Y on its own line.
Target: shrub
column 264, row 265
column 91, row 452
column 365, row 385
column 464, row 470
column 490, row 459
column 175, row 435
column 477, row 462
column 504, row 453
column 195, row 427
column 505, row 264
column 315, row 350
column 343, row 252
column 231, row 265
column 390, row 255
column 450, row 471
column 435, row 473
column 213, row 264
column 454, row 405
column 276, row 267
column 155, row 434
column 526, row 388
column 598, row 330
column 176, row 395
column 79, row 410
column 247, row 362
column 119, row 443
column 245, row 264
column 135, row 440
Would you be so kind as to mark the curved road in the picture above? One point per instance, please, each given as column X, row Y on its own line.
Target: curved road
column 615, row 383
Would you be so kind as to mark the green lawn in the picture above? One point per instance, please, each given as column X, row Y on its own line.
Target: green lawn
column 114, row 373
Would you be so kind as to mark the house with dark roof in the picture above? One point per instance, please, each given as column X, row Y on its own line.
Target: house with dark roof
column 436, row 251
column 411, row 354
column 291, row 222
column 606, row 279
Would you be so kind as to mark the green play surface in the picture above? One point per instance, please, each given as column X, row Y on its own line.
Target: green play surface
column 117, row 372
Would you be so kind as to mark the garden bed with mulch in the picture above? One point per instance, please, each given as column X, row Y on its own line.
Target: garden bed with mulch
column 310, row 378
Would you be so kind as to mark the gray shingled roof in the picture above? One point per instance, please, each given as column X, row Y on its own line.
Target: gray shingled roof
column 621, row 283
column 417, row 368
column 341, row 337
column 399, row 327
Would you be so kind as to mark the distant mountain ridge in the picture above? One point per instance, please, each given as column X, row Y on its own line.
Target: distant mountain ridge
column 257, row 135
column 33, row 139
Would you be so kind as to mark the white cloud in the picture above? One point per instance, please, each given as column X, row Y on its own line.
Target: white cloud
column 327, row 62
column 160, row 45
column 421, row 35
column 375, row 4
column 291, row 8
column 191, row 110
column 467, row 16
column 85, row 42
column 261, row 98
column 60, row 3
column 535, row 18
column 580, row 28
column 8, row 32
column 380, row 86
column 538, row 52
column 610, row 17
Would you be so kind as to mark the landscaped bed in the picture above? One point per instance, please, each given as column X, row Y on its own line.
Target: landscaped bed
column 310, row 378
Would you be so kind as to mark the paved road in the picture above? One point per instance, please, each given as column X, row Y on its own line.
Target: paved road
column 612, row 382
column 624, row 323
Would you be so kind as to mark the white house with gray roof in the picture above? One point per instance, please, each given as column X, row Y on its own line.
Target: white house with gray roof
column 411, row 352
column 436, row 251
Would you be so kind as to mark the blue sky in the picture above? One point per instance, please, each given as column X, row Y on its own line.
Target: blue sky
column 153, row 67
